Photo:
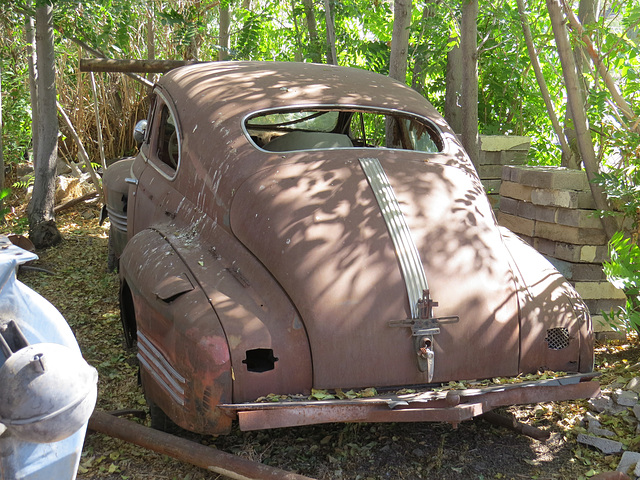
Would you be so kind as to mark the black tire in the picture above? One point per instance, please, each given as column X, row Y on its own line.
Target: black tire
column 160, row 420
column 112, row 261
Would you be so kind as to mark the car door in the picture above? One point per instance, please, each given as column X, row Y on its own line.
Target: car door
column 156, row 168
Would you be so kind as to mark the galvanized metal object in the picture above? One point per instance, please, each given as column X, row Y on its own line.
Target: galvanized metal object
column 47, row 390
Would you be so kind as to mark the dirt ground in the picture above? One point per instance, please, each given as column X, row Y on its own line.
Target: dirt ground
column 86, row 294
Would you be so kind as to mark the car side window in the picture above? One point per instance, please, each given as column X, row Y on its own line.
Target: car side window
column 168, row 148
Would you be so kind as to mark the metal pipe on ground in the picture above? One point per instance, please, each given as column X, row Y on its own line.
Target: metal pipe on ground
column 223, row 463
column 512, row 424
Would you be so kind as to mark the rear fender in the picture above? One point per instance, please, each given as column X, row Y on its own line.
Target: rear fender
column 182, row 348
column 555, row 325
column 267, row 340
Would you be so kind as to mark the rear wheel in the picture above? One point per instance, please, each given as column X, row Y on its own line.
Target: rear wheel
column 160, row 420
column 128, row 315
column 112, row 260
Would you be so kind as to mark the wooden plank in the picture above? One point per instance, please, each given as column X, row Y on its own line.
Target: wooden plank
column 138, row 66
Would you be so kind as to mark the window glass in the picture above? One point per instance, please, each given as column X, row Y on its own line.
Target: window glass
column 313, row 129
column 168, row 148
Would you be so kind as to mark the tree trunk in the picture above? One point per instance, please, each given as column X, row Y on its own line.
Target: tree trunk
column 469, row 47
column 332, row 58
column 587, row 8
column 567, row 153
column 312, row 27
column 30, row 37
column 574, row 97
column 42, row 227
column 419, row 62
column 151, row 37
column 400, row 40
column 453, row 92
column 223, row 40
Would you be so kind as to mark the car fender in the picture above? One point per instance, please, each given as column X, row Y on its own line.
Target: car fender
column 555, row 325
column 268, row 342
column 182, row 349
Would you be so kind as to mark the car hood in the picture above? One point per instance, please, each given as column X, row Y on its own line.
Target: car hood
column 315, row 223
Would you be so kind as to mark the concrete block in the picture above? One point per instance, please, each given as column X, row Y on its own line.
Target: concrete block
column 634, row 386
column 597, row 305
column 605, row 445
column 600, row 403
column 578, row 218
column 487, row 172
column 625, row 398
column 598, row 290
column 515, row 190
column 515, row 157
column 603, row 337
column 491, row 185
column 585, row 200
column 528, row 210
column 509, row 205
column 571, row 252
column 490, row 158
column 516, row 224
column 494, row 200
column 572, row 235
column 554, row 198
column 578, row 272
column 601, row 325
column 558, row 178
column 628, row 462
column 497, row 143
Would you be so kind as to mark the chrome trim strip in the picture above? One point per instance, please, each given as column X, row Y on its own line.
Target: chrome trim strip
column 411, row 266
column 118, row 220
column 158, row 366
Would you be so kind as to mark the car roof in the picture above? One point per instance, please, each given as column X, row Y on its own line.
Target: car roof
column 220, row 90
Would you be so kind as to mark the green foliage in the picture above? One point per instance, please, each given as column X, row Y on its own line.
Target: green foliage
column 622, row 185
column 16, row 105
column 623, row 271
column 4, row 193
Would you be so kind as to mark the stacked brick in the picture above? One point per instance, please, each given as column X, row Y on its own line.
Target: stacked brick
column 496, row 151
column 552, row 209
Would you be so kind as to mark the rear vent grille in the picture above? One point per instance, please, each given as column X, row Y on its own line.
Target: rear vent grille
column 558, row 338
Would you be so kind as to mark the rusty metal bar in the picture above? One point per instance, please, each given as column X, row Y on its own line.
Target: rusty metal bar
column 291, row 417
column 428, row 409
column 139, row 66
column 184, row 450
column 512, row 424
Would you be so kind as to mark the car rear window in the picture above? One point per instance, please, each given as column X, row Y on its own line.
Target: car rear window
column 316, row 129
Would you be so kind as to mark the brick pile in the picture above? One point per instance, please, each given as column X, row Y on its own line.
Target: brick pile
column 552, row 209
column 496, row 151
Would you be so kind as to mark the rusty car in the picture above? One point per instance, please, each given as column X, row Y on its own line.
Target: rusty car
column 293, row 228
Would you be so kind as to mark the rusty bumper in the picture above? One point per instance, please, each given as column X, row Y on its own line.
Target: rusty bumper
column 453, row 406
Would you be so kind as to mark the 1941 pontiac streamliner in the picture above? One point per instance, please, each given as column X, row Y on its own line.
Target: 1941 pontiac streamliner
column 288, row 227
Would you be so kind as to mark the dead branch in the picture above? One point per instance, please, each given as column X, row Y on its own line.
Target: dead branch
column 597, row 61
column 74, row 201
column 81, row 151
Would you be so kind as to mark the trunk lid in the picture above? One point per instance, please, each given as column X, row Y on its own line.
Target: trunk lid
column 318, row 228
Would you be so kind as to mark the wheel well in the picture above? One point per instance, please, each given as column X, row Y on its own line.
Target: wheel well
column 128, row 315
